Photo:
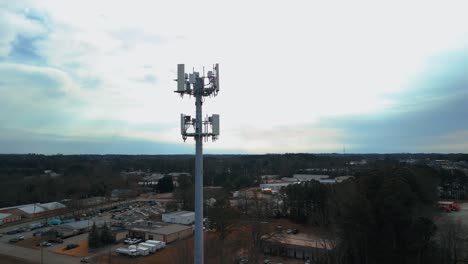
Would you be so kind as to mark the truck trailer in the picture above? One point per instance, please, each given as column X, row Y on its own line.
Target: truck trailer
column 159, row 244
column 128, row 252
column 152, row 247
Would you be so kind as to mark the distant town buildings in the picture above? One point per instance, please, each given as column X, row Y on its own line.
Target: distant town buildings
column 152, row 179
column 275, row 186
column 51, row 174
column 309, row 177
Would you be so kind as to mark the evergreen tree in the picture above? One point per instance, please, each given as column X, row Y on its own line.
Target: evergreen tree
column 94, row 240
column 106, row 235
column 165, row 184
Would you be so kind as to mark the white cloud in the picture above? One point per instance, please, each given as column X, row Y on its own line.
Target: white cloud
column 284, row 66
column 13, row 25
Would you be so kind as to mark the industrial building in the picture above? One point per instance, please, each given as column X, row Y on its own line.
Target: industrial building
column 298, row 246
column 34, row 210
column 168, row 233
column 180, row 217
column 74, row 228
column 7, row 218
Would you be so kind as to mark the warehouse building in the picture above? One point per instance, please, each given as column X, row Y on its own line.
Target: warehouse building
column 180, row 217
column 168, row 233
column 74, row 228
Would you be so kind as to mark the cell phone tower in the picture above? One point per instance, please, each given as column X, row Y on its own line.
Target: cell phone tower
column 198, row 86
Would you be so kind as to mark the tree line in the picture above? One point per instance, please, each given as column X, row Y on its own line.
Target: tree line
column 386, row 215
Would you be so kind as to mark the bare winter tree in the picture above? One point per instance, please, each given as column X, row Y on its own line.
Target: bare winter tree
column 453, row 241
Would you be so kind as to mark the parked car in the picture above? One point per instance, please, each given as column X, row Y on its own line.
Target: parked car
column 16, row 239
column 24, row 229
column 56, row 240
column 37, row 233
column 132, row 241
column 84, row 260
column 35, row 226
column 44, row 244
column 71, row 246
column 14, row 231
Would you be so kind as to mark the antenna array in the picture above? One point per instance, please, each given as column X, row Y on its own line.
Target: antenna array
column 198, row 86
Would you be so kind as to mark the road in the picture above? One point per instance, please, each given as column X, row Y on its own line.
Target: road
column 34, row 255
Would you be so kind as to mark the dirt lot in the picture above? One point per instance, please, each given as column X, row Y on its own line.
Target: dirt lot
column 30, row 242
column 80, row 251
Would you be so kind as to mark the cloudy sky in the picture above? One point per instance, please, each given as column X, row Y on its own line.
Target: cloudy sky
column 296, row 76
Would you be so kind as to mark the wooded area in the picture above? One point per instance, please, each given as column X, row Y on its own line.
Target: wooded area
column 384, row 214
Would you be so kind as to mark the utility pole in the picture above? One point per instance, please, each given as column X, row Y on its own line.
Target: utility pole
column 193, row 84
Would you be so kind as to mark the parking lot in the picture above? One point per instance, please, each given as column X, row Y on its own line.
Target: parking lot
column 28, row 250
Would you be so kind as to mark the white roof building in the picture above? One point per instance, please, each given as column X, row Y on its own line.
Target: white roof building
column 53, row 206
column 32, row 208
column 310, row 177
column 180, row 217
column 36, row 208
